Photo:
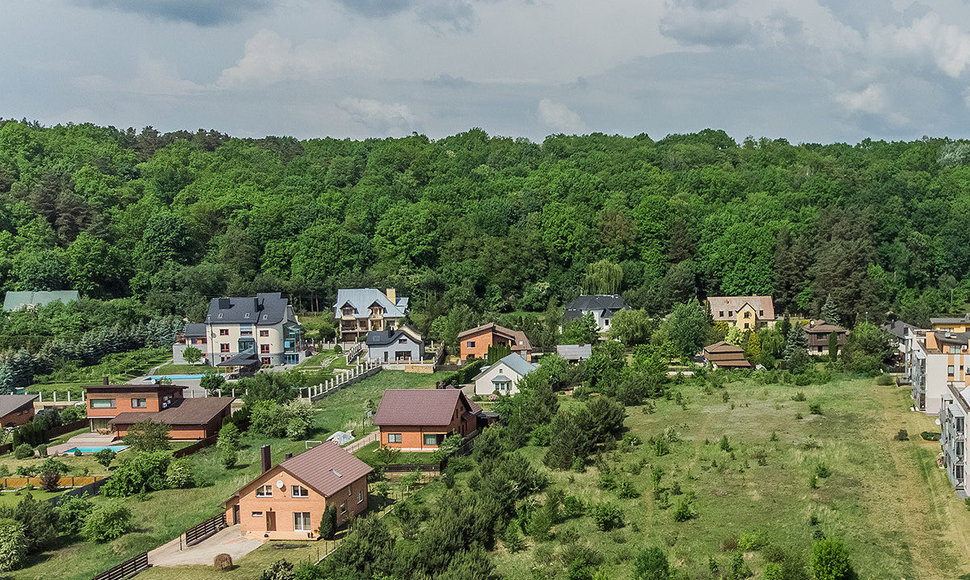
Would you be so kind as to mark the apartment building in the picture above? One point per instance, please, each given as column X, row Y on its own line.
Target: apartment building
column 954, row 409
column 262, row 326
column 362, row 310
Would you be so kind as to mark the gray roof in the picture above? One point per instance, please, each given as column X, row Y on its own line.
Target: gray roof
column 514, row 361
column 387, row 336
column 575, row 351
column 264, row 309
column 607, row 304
column 898, row 328
column 362, row 298
column 341, row 437
column 194, row 329
column 23, row 300
column 10, row 403
column 951, row 320
column 244, row 359
column 501, row 379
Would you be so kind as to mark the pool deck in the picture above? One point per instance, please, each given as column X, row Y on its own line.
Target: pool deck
column 83, row 440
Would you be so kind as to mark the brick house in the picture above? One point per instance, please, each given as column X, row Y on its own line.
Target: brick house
column 474, row 343
column 16, row 410
column 286, row 502
column 115, row 408
column 420, row 419
column 744, row 312
column 358, row 311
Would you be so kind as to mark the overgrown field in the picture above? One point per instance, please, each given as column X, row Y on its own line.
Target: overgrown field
column 781, row 476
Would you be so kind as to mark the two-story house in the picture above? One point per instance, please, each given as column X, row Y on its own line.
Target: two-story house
column 818, row 334
column 601, row 306
column 954, row 410
column 362, row 310
column 475, row 342
column 744, row 312
column 263, row 326
column 420, row 419
column 503, row 377
column 286, row 502
column 402, row 345
column 16, row 410
column 115, row 408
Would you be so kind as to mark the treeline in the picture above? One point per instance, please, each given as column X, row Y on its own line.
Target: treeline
column 491, row 224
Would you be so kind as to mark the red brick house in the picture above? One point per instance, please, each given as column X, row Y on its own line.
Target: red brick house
column 420, row 419
column 286, row 502
column 115, row 408
column 474, row 343
column 16, row 410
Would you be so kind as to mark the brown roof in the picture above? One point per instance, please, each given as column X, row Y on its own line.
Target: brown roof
column 723, row 347
column 421, row 406
column 145, row 388
column 822, row 327
column 725, row 354
column 326, row 468
column 517, row 337
column 182, row 412
column 727, row 304
column 11, row 403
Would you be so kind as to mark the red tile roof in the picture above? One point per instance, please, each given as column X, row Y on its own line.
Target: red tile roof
column 421, row 407
column 326, row 468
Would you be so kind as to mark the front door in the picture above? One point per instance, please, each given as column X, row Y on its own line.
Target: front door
column 235, row 514
column 270, row 521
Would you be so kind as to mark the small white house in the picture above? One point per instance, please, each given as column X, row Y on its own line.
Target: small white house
column 503, row 376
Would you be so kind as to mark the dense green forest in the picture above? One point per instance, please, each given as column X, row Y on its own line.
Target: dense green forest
column 485, row 224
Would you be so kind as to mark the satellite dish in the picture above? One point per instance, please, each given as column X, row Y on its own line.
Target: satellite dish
column 279, row 483
column 937, row 421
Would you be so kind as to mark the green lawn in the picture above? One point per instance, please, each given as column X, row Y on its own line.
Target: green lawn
column 368, row 454
column 165, row 514
column 173, row 369
column 896, row 511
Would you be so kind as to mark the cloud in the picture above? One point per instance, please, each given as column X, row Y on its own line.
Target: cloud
column 442, row 15
column 560, row 118
column 376, row 8
column 155, row 77
column 708, row 23
column 871, row 99
column 947, row 45
column 388, row 118
column 198, row 12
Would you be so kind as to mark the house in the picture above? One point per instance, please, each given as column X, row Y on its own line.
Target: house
column 362, row 310
column 264, row 324
column 14, row 301
column 115, row 408
column 474, row 343
column 420, row 419
column 574, row 353
column 744, row 312
column 16, row 410
column 395, row 345
column 936, row 359
column 503, row 376
column 286, row 502
column 193, row 335
column 899, row 330
column 954, row 409
column 601, row 306
column 952, row 324
column 724, row 355
column 818, row 333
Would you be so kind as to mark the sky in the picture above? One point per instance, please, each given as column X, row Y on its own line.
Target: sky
column 803, row 70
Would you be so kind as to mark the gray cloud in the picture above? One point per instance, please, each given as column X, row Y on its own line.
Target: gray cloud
column 199, row 12
column 719, row 27
column 376, row 8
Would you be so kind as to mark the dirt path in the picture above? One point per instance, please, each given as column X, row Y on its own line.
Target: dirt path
column 936, row 532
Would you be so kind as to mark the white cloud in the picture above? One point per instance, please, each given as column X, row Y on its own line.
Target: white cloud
column 388, row 118
column 947, row 45
column 559, row 117
column 154, row 77
column 871, row 99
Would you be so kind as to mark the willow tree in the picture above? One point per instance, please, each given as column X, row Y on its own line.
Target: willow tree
column 603, row 277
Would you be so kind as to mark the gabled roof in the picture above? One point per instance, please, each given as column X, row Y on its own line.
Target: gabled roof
column 194, row 329
column 822, row 327
column 606, row 304
column 24, row 300
column 898, row 328
column 965, row 319
column 421, row 407
column 732, row 304
column 266, row 308
column 517, row 337
column 388, row 336
column 326, row 468
column 362, row 298
column 11, row 403
column 182, row 412
column 723, row 347
column 514, row 362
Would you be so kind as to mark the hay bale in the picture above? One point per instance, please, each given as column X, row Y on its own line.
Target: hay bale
column 223, row 562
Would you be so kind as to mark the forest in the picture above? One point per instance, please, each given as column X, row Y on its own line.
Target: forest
column 483, row 225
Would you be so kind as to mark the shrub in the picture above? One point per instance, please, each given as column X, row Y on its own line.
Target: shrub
column 147, row 436
column 23, row 451
column 651, row 564
column 512, row 538
column 725, row 444
column 39, row 520
column 799, row 396
column 229, row 437
column 222, row 562
column 928, row 436
column 539, row 525
column 280, row 570
column 966, row 502
column 885, row 380
column 626, row 490
column 901, row 435
column 179, row 474
column 684, row 511
column 830, row 560
column 815, row 408
column 13, row 544
column 822, row 470
column 607, row 481
column 107, row 522
column 105, row 457
column 737, row 569
column 752, row 541
column 42, row 450
column 138, row 472
column 606, row 516
column 71, row 513
column 328, row 523
column 572, row 507
column 49, row 480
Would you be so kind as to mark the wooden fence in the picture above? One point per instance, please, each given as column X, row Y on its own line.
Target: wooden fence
column 66, row 481
column 200, row 444
column 205, row 530
column 68, row 427
column 126, row 569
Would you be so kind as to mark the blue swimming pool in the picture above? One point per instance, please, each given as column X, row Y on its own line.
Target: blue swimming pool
column 175, row 377
column 115, row 448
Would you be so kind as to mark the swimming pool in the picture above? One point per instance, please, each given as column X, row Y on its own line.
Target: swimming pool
column 115, row 448
column 175, row 377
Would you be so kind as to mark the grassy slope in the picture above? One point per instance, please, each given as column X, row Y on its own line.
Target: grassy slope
column 168, row 513
column 895, row 509
column 173, row 369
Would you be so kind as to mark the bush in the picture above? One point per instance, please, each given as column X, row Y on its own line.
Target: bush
column 229, row 437
column 830, row 560
column 13, row 544
column 71, row 513
column 799, row 396
column 815, row 408
column 107, row 522
column 752, row 541
column 49, row 480
column 928, row 436
column 606, row 516
column 105, row 457
column 40, row 522
column 228, row 457
column 822, row 470
column 23, row 451
column 684, row 511
column 885, row 380
column 42, row 450
column 138, row 472
column 147, row 436
column 280, row 570
column 179, row 474
column 901, row 435
column 512, row 538
column 651, row 564
column 572, row 507
column 328, row 523
column 626, row 490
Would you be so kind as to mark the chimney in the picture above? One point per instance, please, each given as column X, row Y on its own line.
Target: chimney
column 107, row 381
column 287, row 456
column 392, row 295
column 264, row 458
column 223, row 303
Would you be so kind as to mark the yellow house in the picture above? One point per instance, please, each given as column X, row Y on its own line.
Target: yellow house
column 951, row 324
column 743, row 312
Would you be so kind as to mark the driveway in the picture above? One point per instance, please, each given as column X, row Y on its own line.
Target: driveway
column 228, row 541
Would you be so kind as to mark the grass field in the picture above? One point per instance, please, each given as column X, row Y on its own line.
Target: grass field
column 368, row 454
column 173, row 369
column 163, row 515
column 895, row 509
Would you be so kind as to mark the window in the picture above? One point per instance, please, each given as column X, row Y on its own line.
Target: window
column 954, row 349
column 746, row 325
column 720, row 313
column 257, row 514
column 299, row 491
column 223, row 332
column 360, row 496
column 402, row 341
column 264, row 333
column 264, row 349
column 301, row 522
column 224, row 347
column 431, row 439
column 747, row 314
column 264, row 491
column 761, row 313
column 393, row 437
column 730, row 313
column 343, row 508
column 606, row 322
column 949, row 370
column 470, row 344
column 139, row 403
column 102, row 403
column 818, row 349
column 265, row 361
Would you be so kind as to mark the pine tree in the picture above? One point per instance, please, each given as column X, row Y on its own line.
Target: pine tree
column 795, row 341
column 830, row 312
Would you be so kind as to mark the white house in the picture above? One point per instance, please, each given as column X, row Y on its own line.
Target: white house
column 503, row 376
column 954, row 409
column 601, row 306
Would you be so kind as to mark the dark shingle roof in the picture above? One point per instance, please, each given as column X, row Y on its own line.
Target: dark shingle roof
column 822, row 327
column 421, row 406
column 264, row 309
column 326, row 468
column 608, row 304
column 898, row 328
column 11, row 403
column 182, row 412
column 386, row 337
column 194, row 329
